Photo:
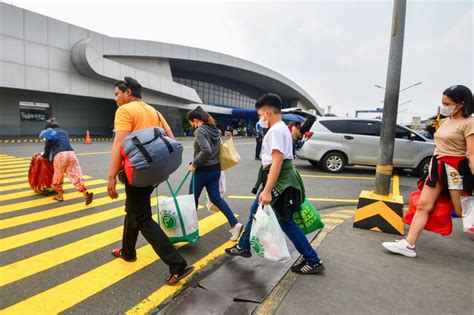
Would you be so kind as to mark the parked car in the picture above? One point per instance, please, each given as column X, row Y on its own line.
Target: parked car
column 333, row 143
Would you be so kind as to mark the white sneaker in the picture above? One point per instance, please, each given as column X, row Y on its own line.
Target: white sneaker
column 235, row 232
column 400, row 247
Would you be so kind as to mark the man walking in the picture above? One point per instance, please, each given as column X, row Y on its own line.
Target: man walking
column 133, row 114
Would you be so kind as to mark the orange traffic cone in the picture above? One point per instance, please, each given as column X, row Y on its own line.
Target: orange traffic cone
column 88, row 139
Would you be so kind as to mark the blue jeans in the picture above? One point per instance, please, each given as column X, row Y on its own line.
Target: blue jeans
column 210, row 180
column 291, row 229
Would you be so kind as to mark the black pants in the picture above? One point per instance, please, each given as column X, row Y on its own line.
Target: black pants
column 138, row 218
column 258, row 148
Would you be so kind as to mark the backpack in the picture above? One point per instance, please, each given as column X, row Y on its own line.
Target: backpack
column 150, row 156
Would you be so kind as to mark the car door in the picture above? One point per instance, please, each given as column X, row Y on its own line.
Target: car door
column 406, row 148
column 361, row 141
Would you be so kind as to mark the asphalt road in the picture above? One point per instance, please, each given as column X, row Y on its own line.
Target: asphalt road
column 65, row 247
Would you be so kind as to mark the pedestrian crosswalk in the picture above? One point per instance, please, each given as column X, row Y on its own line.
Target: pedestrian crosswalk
column 55, row 256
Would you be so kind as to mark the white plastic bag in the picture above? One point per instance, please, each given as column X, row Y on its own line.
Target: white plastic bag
column 468, row 214
column 177, row 217
column 222, row 189
column 266, row 236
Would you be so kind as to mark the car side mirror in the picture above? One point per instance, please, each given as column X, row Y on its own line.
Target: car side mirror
column 412, row 137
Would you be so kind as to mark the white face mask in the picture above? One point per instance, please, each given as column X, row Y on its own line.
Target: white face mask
column 447, row 111
column 263, row 123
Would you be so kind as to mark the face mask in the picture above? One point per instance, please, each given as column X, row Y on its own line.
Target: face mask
column 447, row 111
column 263, row 123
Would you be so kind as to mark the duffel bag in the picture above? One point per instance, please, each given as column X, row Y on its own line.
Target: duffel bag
column 150, row 156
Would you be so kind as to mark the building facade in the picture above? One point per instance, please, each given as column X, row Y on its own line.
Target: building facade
column 49, row 68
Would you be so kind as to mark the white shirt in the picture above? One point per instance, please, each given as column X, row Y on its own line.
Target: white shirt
column 278, row 138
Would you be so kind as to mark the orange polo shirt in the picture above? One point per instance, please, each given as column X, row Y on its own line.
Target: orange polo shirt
column 138, row 115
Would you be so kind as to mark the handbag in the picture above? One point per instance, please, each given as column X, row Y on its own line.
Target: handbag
column 308, row 218
column 177, row 215
column 439, row 219
column 228, row 156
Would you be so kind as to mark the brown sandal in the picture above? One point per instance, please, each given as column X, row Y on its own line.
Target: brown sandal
column 88, row 198
column 174, row 278
column 57, row 198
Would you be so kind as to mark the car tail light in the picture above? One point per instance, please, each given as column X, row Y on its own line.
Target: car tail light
column 307, row 135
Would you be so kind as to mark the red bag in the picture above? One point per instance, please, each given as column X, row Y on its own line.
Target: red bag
column 439, row 220
column 40, row 174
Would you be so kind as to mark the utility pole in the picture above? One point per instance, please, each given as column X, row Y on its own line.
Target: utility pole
column 387, row 137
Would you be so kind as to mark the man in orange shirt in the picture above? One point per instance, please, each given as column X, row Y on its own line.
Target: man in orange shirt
column 132, row 115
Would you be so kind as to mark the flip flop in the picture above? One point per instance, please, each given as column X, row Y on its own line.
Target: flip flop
column 58, row 199
column 89, row 197
column 174, row 278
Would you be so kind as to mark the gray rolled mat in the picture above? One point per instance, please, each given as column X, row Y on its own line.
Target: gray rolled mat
column 202, row 302
column 250, row 279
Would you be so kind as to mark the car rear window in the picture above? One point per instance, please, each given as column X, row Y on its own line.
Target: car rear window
column 336, row 126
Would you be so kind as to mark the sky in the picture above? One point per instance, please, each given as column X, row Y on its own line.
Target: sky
column 335, row 50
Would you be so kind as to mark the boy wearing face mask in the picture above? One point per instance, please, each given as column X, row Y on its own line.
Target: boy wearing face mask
column 279, row 185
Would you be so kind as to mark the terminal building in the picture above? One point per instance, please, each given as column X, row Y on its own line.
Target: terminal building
column 49, row 68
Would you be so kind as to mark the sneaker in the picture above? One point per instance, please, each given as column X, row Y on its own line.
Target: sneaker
column 235, row 232
column 400, row 247
column 237, row 251
column 305, row 268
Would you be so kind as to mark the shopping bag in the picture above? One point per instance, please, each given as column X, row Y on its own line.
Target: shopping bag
column 228, row 156
column 467, row 214
column 40, row 173
column 266, row 236
column 439, row 219
column 177, row 216
column 308, row 218
column 222, row 189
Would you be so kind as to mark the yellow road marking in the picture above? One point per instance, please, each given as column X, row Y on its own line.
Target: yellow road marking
column 51, row 213
column 332, row 221
column 14, row 180
column 167, row 291
column 338, row 177
column 33, row 236
column 5, row 165
column 336, row 215
column 30, row 192
column 47, row 201
column 27, row 185
column 311, row 199
column 347, row 211
column 396, row 185
column 76, row 290
column 32, row 265
column 9, row 175
column 14, row 170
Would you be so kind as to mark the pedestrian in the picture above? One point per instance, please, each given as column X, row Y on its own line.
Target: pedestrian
column 291, row 125
column 58, row 149
column 133, row 114
column 206, row 167
column 259, row 139
column 296, row 136
column 452, row 166
column 279, row 185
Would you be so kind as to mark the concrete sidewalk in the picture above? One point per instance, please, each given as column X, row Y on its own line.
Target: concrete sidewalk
column 361, row 277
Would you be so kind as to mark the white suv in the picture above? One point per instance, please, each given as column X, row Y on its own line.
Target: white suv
column 334, row 143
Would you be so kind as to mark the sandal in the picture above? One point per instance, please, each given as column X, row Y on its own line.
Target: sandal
column 174, row 278
column 57, row 198
column 117, row 252
column 88, row 198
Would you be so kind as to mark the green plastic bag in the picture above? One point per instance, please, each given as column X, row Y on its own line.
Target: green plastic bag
column 308, row 218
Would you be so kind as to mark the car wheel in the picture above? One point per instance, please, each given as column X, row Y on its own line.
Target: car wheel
column 333, row 162
column 423, row 167
column 313, row 162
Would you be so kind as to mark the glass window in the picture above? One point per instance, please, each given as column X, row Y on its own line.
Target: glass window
column 336, row 126
column 367, row 128
column 402, row 133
